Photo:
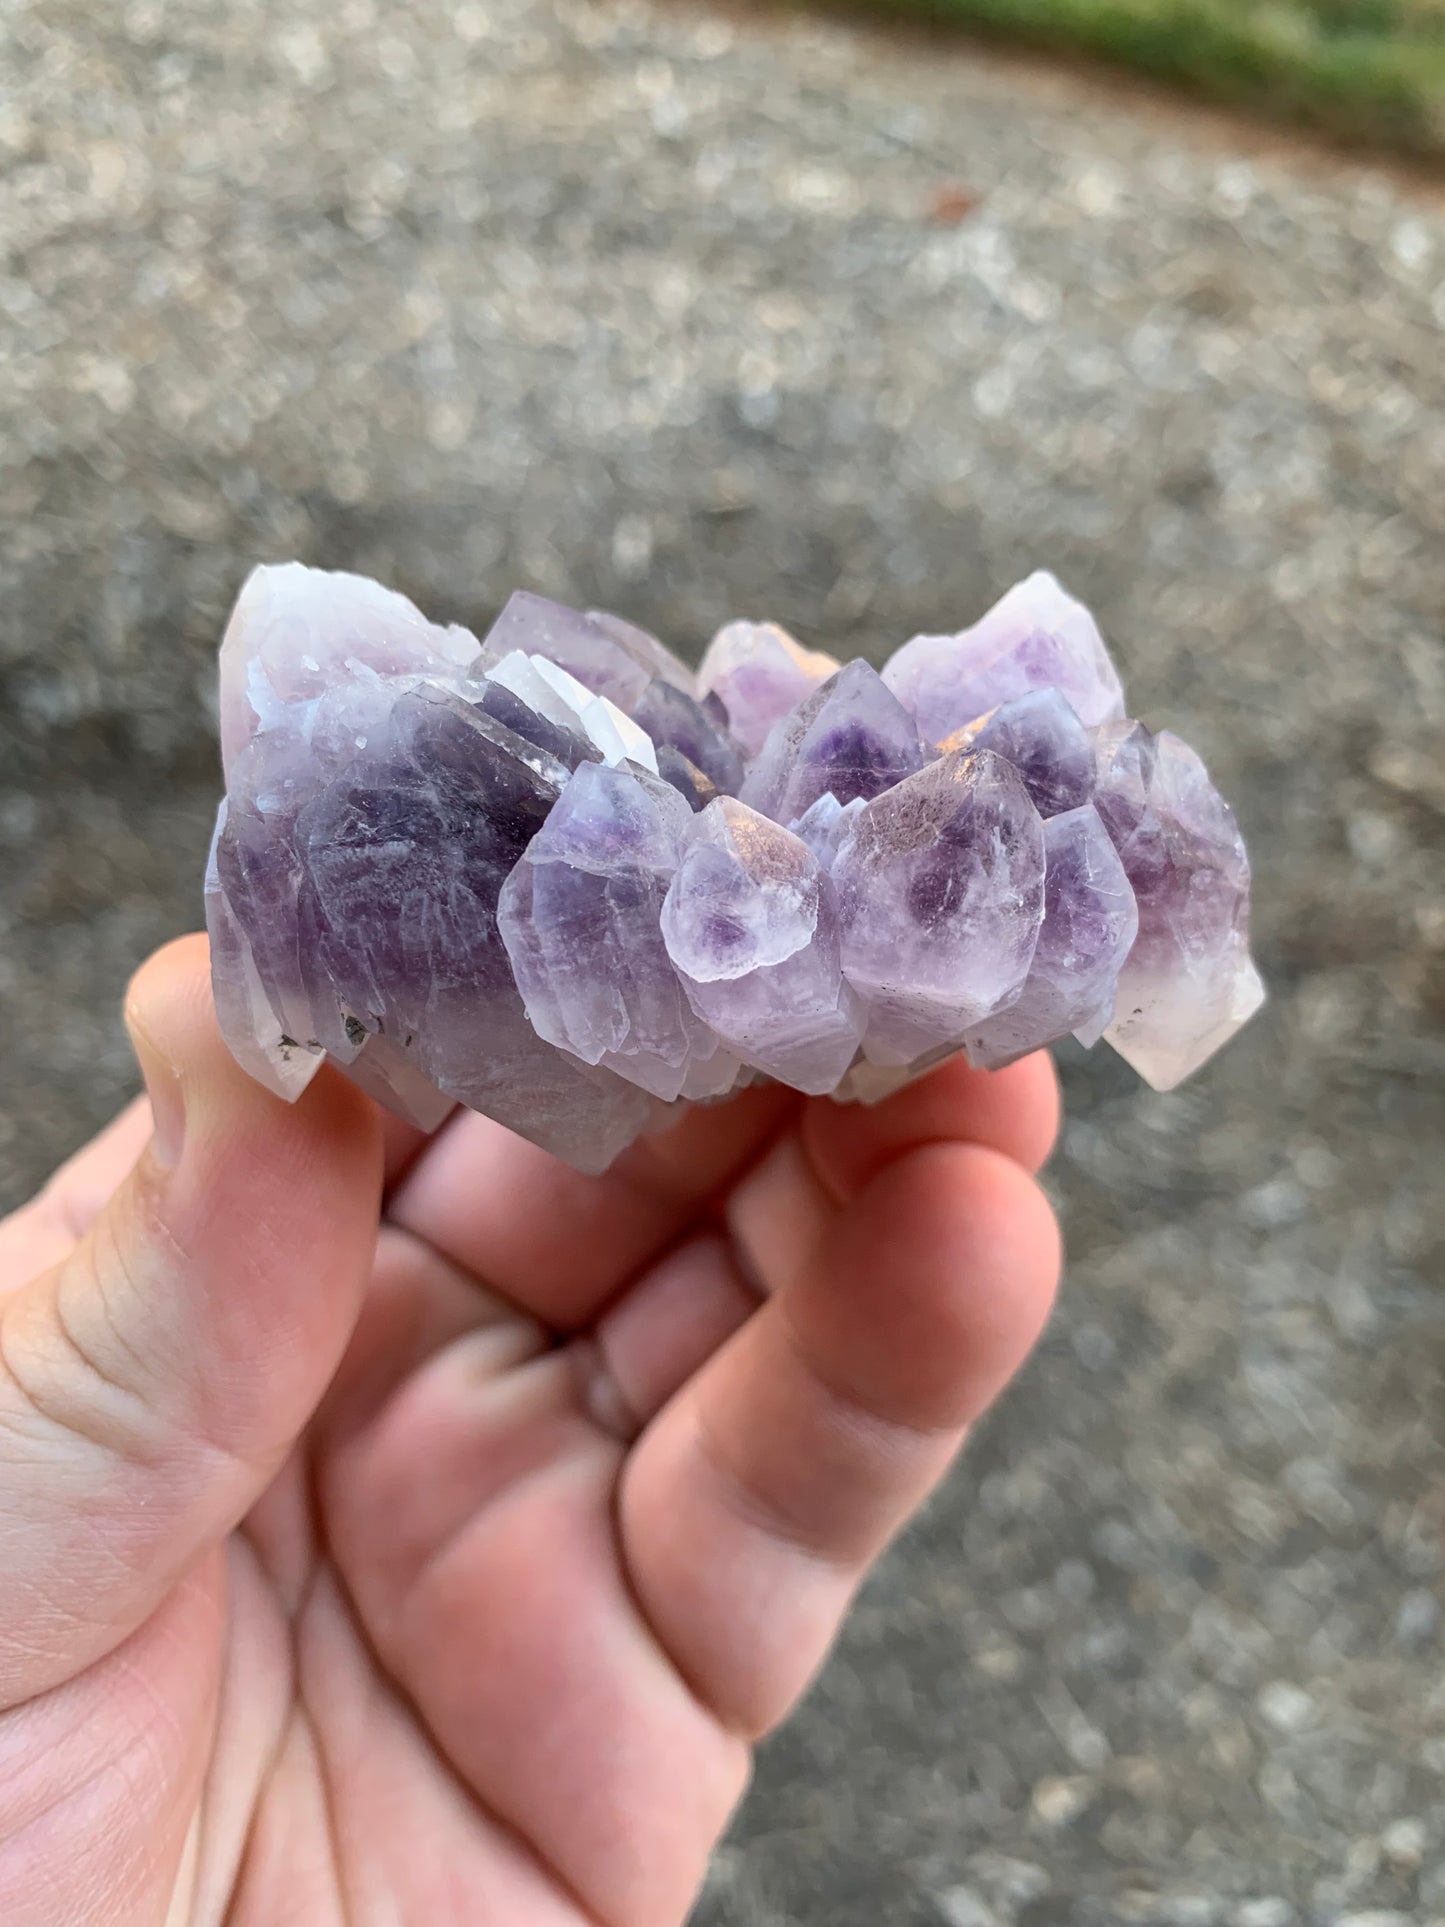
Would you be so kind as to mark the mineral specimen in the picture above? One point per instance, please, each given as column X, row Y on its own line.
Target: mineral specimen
column 557, row 877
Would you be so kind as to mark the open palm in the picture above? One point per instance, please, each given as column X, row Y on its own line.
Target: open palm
column 401, row 1532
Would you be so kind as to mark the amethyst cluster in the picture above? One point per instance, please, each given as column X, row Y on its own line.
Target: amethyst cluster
column 560, row 877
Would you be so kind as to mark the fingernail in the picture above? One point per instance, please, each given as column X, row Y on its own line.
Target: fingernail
column 168, row 1104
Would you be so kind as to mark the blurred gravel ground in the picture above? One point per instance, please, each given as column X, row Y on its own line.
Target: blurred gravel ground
column 694, row 314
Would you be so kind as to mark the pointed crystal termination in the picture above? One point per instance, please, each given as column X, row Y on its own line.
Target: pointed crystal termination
column 695, row 789
column 941, row 894
column 751, row 927
column 373, row 812
column 824, row 827
column 1090, row 922
column 403, row 859
column 1046, row 743
column 1189, row 983
column 850, row 738
column 295, row 633
column 555, row 877
column 284, row 1064
column 579, row 916
column 557, row 695
column 674, row 720
column 610, row 657
column 644, row 647
column 1035, row 637
column 758, row 673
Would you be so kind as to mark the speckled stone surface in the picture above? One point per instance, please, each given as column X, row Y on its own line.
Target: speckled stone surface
column 666, row 311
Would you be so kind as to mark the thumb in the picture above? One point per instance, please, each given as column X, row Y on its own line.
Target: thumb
column 153, row 1379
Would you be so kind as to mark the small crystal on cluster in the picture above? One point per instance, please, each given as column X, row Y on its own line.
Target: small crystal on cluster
column 751, row 927
column 557, row 876
column 1035, row 637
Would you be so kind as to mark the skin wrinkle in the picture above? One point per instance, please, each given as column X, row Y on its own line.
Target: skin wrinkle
column 590, row 1916
column 358, row 1629
column 847, row 1395
column 438, row 1553
column 340, row 1883
column 238, row 1904
column 663, row 1650
column 117, row 1763
column 734, row 1729
column 35, row 1401
column 361, row 1403
column 765, row 1514
column 182, row 1905
column 87, row 1420
column 709, row 1246
column 447, row 1543
column 88, row 1253
column 62, row 1798
column 245, row 1547
column 217, row 1463
column 603, row 1399
column 587, row 1916
column 857, row 1414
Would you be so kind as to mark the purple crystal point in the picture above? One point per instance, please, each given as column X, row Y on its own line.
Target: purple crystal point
column 405, row 855
column 1189, row 983
column 557, row 696
column 563, row 741
column 366, row 835
column 644, row 647
column 751, row 927
column 758, row 673
column 824, row 826
column 1035, row 637
column 1090, row 922
column 673, row 718
column 1046, row 743
column 696, row 789
column 610, row 657
column 284, row 1064
column 941, row 893
column 295, row 633
column 849, row 738
column 580, row 919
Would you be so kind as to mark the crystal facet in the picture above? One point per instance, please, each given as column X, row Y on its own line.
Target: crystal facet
column 758, row 673
column 557, row 877
column 1189, row 982
column 941, row 893
column 580, row 917
column 1090, row 922
column 1046, row 743
column 610, row 657
column 850, row 738
column 1035, row 637
column 751, row 926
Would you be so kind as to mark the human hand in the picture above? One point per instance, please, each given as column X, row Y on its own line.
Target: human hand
column 421, row 1533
